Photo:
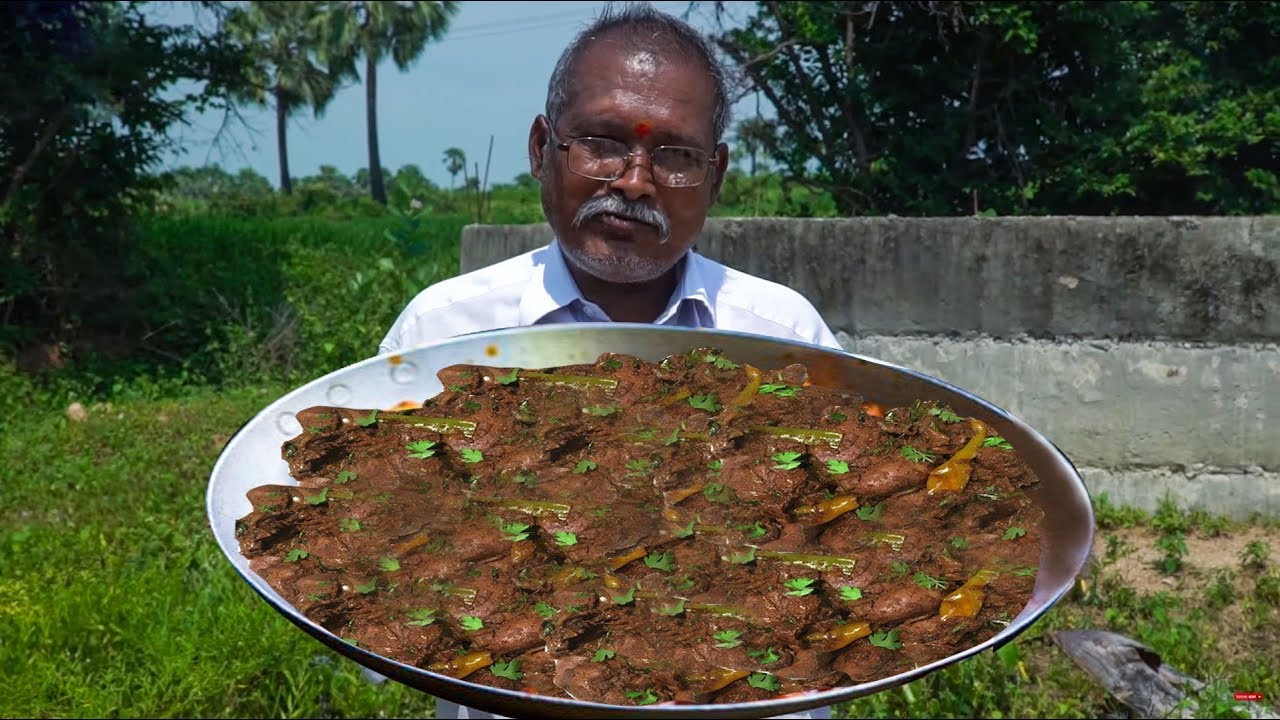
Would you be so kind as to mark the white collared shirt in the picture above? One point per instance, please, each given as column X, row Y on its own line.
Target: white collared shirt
column 536, row 288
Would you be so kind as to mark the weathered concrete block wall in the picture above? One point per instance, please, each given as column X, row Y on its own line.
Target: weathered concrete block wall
column 1147, row 348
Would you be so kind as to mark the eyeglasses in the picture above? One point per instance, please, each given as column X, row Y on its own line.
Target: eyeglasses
column 605, row 159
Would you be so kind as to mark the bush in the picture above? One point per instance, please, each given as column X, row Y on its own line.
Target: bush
column 240, row 300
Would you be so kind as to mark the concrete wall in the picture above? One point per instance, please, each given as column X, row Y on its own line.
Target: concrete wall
column 1148, row 349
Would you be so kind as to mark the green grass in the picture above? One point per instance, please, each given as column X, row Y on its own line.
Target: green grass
column 114, row 598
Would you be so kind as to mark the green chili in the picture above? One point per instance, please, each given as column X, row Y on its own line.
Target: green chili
column 804, row 435
column 441, row 425
column 537, row 508
column 821, row 563
column 581, row 382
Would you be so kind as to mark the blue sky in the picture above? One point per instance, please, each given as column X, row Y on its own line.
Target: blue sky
column 488, row 76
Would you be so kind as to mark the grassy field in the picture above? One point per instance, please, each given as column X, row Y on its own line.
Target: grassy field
column 116, row 602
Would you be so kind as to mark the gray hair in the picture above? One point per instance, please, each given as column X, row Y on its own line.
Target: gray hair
column 642, row 26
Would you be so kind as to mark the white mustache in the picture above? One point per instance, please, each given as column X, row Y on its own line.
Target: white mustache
column 624, row 208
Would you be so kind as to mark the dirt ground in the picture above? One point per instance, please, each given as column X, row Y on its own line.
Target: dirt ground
column 1138, row 560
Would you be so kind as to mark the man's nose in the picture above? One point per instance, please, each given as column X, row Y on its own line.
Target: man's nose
column 637, row 178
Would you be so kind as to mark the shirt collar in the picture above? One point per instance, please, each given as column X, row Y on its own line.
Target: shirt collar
column 552, row 287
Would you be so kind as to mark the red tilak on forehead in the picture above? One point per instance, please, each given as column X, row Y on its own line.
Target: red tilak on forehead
column 643, row 128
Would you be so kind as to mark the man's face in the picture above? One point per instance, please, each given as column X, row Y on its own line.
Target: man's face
column 614, row 229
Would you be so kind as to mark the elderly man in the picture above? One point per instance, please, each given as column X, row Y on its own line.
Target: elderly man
column 630, row 158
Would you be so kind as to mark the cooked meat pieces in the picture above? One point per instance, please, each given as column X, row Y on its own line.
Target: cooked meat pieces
column 628, row 532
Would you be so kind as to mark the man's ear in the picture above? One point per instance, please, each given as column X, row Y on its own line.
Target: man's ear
column 721, row 166
column 539, row 133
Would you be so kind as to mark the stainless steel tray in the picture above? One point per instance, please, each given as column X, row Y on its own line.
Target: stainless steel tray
column 252, row 458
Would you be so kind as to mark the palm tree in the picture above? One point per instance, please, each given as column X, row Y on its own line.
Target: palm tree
column 374, row 29
column 455, row 161
column 282, row 53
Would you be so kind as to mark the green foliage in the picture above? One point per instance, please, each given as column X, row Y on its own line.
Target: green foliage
column 285, row 297
column 952, row 108
column 83, row 116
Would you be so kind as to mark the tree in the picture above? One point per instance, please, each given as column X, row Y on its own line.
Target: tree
column 285, row 68
column 752, row 135
column 455, row 161
column 943, row 108
column 374, row 29
column 84, row 117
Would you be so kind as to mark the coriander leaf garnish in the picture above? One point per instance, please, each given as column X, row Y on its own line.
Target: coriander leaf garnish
column 787, row 460
column 837, row 467
column 899, row 569
column 320, row 499
column 837, row 417
column 886, row 640
column 603, row 654
column 344, row 477
column 850, row 593
column 526, row 479
column 915, row 455
column 369, row 419
column 684, row 532
column 509, row 377
column 421, row 617
column 639, row 467
column 996, row 441
column 544, row 609
column 945, row 415
column 708, row 402
column 674, row 437
column 368, row 587
column 728, row 638
column 643, row 697
column 471, row 622
column 753, row 531
column 870, row 513
column 1024, row 572
column 349, row 525
column 600, row 410
column 766, row 656
column 712, row 491
column 584, row 466
column 611, row 364
column 389, row 564
column 566, row 538
column 421, row 449
column 743, row 558
column 471, row 456
column 515, row 532
column 721, row 363
column 673, row 610
column 295, row 555
column 626, row 598
column 1013, row 532
column 715, row 465
column 927, row 582
column 764, row 681
column 800, row 586
column 959, row 543
column 509, row 670
column 664, row 561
